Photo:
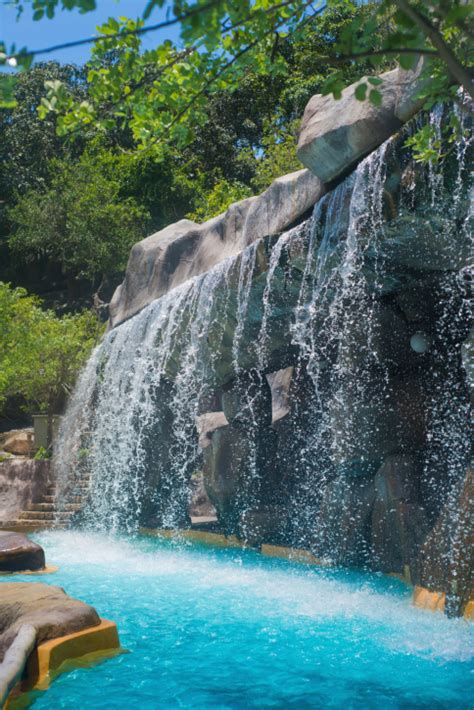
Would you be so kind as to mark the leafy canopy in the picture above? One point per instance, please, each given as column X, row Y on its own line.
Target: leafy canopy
column 80, row 220
column 162, row 94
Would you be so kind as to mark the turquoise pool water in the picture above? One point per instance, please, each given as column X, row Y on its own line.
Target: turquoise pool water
column 222, row 629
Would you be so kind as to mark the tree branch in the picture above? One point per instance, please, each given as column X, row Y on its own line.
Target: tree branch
column 232, row 61
column 458, row 72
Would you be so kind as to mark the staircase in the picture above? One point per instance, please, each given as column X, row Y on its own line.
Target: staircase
column 43, row 512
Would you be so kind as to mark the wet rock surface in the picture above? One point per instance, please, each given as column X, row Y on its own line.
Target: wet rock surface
column 49, row 610
column 18, row 553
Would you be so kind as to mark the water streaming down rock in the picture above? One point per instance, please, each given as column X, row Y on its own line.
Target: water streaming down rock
column 365, row 301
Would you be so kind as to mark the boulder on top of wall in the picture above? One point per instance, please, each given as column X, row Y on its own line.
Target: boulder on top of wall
column 19, row 442
column 336, row 134
column 186, row 249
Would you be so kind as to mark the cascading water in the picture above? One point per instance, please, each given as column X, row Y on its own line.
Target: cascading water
column 135, row 430
column 364, row 302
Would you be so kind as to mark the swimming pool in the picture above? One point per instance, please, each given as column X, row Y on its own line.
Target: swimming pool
column 229, row 628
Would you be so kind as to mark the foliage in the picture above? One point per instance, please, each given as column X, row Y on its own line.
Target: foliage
column 162, row 94
column 222, row 195
column 41, row 353
column 42, row 454
column 80, row 220
column 278, row 158
column 27, row 143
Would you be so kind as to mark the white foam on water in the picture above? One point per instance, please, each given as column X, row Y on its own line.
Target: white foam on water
column 268, row 588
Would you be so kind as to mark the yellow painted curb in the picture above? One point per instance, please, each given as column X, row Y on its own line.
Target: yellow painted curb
column 49, row 569
column 208, row 538
column 290, row 553
column 47, row 658
column 432, row 601
column 435, row 601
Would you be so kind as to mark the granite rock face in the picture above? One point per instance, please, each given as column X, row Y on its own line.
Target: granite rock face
column 19, row 553
column 186, row 249
column 49, row 610
column 336, row 134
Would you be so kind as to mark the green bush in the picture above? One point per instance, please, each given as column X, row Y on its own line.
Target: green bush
column 40, row 352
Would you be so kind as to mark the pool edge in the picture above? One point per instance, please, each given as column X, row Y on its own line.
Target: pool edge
column 48, row 659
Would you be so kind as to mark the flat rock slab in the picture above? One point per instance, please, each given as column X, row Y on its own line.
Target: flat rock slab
column 48, row 609
column 18, row 553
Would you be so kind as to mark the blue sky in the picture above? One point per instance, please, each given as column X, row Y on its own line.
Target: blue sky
column 67, row 26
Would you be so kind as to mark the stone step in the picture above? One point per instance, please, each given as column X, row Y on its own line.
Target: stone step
column 36, row 515
column 70, row 507
column 26, row 524
column 75, row 499
column 48, row 499
column 41, row 507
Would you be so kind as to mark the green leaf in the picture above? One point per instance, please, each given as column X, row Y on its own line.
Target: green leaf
column 407, row 61
column 149, row 9
column 361, row 91
column 375, row 97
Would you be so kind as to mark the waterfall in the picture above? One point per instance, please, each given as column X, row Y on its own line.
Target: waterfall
column 364, row 303
column 143, row 382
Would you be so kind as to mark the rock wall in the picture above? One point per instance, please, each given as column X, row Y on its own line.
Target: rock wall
column 22, row 481
column 186, row 249
column 319, row 378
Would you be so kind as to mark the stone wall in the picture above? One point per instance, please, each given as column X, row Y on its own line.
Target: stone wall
column 22, row 482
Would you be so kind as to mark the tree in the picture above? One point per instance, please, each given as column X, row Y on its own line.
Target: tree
column 40, row 353
column 162, row 94
column 27, row 143
column 80, row 220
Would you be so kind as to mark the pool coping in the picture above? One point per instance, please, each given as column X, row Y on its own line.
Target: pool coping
column 59, row 654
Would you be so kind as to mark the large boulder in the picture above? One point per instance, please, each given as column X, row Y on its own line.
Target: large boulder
column 166, row 259
column 336, row 134
column 19, row 442
column 18, row 553
column 48, row 609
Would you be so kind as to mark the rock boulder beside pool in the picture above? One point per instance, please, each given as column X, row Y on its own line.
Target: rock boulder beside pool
column 49, row 610
column 18, row 553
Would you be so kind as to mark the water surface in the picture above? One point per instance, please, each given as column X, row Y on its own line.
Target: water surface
column 210, row 628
